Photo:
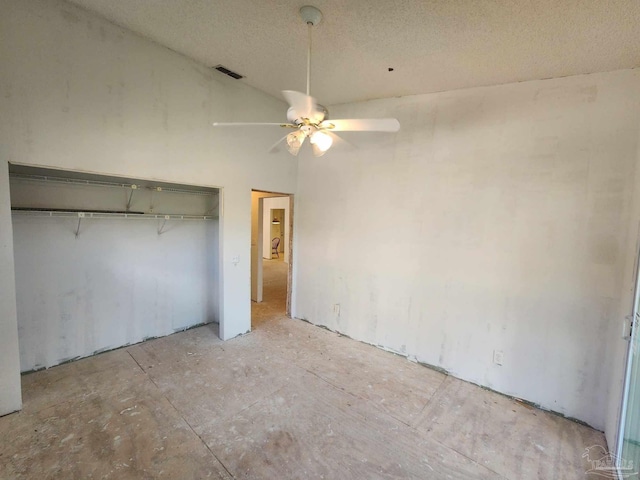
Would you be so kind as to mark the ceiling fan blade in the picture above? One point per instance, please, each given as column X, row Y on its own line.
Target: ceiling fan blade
column 254, row 124
column 362, row 125
column 304, row 105
column 338, row 141
column 274, row 147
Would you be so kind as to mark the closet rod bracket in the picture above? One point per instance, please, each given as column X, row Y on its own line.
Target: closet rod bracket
column 161, row 227
column 80, row 217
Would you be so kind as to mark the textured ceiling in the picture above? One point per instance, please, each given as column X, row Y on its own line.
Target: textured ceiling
column 433, row 45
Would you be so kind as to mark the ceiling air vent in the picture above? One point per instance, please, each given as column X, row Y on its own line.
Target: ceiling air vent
column 228, row 72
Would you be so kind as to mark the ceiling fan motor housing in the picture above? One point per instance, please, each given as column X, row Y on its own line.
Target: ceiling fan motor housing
column 316, row 116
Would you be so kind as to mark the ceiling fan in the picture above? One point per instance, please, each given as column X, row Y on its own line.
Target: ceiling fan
column 310, row 120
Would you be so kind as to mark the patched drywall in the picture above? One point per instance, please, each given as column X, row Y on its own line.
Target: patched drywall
column 495, row 220
column 10, row 394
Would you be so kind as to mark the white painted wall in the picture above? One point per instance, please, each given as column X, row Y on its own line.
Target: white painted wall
column 496, row 219
column 80, row 93
column 273, row 204
column 10, row 394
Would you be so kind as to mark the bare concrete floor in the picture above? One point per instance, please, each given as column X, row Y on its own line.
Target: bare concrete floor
column 288, row 401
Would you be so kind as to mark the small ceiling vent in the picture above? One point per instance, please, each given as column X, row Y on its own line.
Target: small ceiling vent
column 228, row 72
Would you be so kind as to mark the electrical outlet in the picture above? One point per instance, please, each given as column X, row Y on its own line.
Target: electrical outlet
column 498, row 357
column 336, row 309
column 235, row 260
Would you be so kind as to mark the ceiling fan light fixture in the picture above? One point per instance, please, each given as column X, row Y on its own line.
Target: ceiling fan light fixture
column 294, row 150
column 317, row 152
column 295, row 141
column 321, row 140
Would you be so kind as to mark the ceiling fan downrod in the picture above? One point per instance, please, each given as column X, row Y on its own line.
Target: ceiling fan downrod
column 309, row 26
column 311, row 16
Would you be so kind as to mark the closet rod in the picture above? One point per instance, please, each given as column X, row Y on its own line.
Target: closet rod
column 56, row 213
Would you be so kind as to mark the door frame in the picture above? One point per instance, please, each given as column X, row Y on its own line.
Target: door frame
column 632, row 329
column 258, row 251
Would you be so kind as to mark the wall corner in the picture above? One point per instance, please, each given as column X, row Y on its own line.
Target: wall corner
column 10, row 392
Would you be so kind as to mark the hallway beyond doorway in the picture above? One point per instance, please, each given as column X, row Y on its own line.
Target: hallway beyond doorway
column 274, row 293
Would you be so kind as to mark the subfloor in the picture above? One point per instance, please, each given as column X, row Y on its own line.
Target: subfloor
column 287, row 401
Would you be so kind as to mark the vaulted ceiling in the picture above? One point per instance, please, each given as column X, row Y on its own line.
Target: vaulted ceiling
column 432, row 45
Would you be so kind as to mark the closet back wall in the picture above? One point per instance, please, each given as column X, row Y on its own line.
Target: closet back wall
column 117, row 283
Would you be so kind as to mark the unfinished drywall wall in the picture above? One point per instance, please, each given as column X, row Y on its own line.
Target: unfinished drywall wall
column 272, row 204
column 117, row 283
column 10, row 393
column 619, row 330
column 493, row 221
column 80, row 93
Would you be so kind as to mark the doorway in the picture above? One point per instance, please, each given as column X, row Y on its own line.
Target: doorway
column 271, row 265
